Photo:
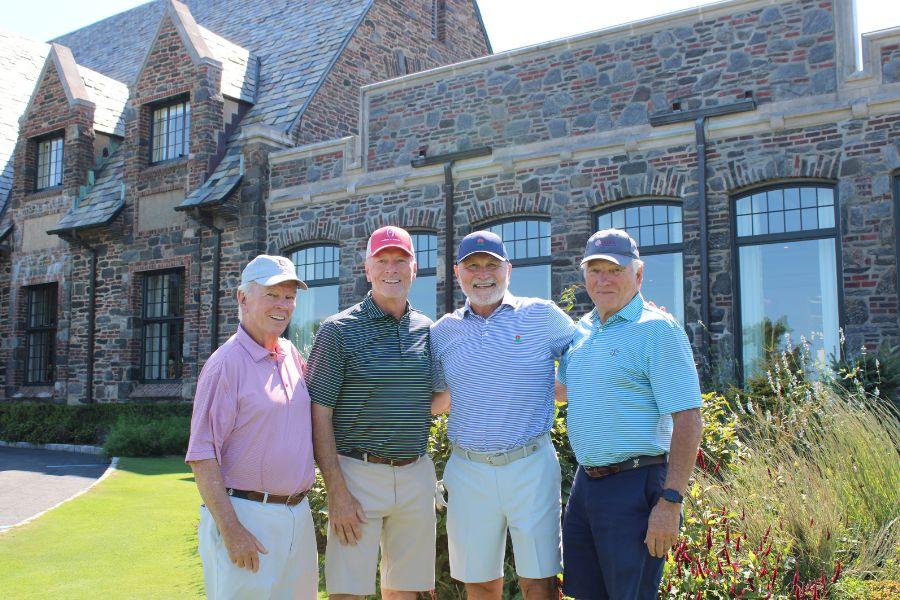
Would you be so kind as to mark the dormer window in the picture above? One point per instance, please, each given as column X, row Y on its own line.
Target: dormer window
column 170, row 132
column 49, row 162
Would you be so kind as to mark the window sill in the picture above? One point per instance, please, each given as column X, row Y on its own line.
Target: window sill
column 166, row 165
column 56, row 190
column 154, row 391
column 39, row 393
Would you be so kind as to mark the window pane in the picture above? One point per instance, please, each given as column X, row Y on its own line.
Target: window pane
column 742, row 207
column 423, row 295
column 646, row 215
column 776, row 222
column 745, row 225
column 792, row 220
column 758, row 202
column 809, row 217
column 532, row 281
column 826, row 216
column 826, row 196
column 675, row 233
column 807, row 197
column 760, row 224
column 660, row 214
column 661, row 234
column 618, row 219
column 646, row 236
column 317, row 263
column 788, row 289
column 776, row 200
column 664, row 282
column 604, row 222
column 791, row 198
column 313, row 306
column 631, row 217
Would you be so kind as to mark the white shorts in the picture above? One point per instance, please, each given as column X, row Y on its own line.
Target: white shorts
column 289, row 571
column 485, row 501
column 399, row 506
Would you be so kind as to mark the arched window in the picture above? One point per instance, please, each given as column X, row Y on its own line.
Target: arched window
column 318, row 266
column 528, row 243
column 787, row 262
column 423, row 294
column 656, row 227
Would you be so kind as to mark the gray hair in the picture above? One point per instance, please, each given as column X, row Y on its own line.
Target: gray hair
column 633, row 265
column 244, row 288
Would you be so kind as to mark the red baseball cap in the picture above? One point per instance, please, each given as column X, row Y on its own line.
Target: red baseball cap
column 390, row 237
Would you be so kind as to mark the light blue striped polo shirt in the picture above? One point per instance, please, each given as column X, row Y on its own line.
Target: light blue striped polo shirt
column 625, row 378
column 500, row 370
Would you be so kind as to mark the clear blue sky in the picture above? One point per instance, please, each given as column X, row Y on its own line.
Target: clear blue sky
column 510, row 23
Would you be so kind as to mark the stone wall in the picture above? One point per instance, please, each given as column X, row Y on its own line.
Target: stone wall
column 394, row 39
column 597, row 83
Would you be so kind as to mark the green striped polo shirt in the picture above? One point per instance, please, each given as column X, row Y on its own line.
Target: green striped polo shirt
column 374, row 371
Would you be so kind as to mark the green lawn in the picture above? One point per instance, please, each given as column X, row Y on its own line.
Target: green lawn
column 132, row 536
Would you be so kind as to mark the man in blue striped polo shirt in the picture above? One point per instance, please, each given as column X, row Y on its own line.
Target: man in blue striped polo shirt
column 497, row 356
column 634, row 424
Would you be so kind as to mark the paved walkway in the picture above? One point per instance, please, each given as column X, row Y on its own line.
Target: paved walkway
column 31, row 481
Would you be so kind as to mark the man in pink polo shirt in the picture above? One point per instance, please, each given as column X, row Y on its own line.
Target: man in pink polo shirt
column 251, row 449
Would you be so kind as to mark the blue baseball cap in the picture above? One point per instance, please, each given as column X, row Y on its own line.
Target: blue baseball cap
column 481, row 241
column 613, row 245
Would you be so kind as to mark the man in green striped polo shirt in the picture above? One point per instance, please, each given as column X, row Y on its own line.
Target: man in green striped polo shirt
column 370, row 383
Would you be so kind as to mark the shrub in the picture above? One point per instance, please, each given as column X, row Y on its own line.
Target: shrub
column 870, row 374
column 135, row 435
column 40, row 423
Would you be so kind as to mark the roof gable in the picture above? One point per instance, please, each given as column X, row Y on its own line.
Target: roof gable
column 295, row 40
column 21, row 63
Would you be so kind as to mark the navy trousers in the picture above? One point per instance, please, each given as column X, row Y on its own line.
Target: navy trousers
column 604, row 555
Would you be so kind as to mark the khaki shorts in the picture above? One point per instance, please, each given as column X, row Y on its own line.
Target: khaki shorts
column 399, row 505
column 290, row 571
column 484, row 502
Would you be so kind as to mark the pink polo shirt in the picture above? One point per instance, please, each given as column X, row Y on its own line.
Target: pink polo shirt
column 252, row 414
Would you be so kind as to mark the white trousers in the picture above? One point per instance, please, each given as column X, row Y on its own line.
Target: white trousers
column 288, row 571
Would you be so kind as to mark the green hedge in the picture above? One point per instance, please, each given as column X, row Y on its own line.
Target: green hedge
column 135, row 435
column 39, row 423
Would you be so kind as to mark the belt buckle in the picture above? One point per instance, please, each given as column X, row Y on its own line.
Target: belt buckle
column 265, row 498
column 492, row 457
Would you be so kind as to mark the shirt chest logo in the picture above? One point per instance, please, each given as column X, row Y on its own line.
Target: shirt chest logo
column 614, row 352
column 517, row 339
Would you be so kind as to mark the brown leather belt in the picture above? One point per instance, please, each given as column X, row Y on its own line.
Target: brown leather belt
column 366, row 457
column 266, row 497
column 626, row 465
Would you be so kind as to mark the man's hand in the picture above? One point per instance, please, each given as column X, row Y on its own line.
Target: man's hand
column 346, row 514
column 662, row 528
column 243, row 547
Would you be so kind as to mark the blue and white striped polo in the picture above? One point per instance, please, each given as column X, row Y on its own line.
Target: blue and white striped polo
column 624, row 379
column 500, row 370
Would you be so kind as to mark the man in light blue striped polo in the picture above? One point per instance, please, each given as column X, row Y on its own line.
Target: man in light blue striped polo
column 634, row 424
column 497, row 356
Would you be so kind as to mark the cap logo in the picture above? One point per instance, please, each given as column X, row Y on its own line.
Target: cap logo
column 479, row 241
column 602, row 242
column 390, row 233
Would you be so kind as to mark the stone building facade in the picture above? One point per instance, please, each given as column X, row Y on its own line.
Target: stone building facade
column 133, row 190
column 739, row 142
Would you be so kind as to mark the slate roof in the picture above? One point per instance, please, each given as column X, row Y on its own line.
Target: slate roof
column 103, row 201
column 21, row 60
column 238, row 66
column 110, row 97
column 296, row 40
column 221, row 183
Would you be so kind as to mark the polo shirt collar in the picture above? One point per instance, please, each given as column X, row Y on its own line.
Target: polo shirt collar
column 508, row 300
column 256, row 352
column 630, row 312
column 372, row 310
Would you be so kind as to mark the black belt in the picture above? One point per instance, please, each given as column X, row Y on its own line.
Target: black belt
column 365, row 456
column 626, row 465
column 266, row 497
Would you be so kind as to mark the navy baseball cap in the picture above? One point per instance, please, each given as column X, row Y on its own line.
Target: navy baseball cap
column 481, row 241
column 613, row 245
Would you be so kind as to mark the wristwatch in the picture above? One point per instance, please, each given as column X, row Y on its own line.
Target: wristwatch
column 672, row 496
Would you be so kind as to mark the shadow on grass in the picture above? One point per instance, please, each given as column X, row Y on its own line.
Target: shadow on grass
column 164, row 465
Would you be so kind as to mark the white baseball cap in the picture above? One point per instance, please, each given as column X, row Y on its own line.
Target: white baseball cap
column 270, row 270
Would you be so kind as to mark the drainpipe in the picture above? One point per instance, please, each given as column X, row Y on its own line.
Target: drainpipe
column 700, row 117
column 448, row 160
column 92, row 311
column 217, row 266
